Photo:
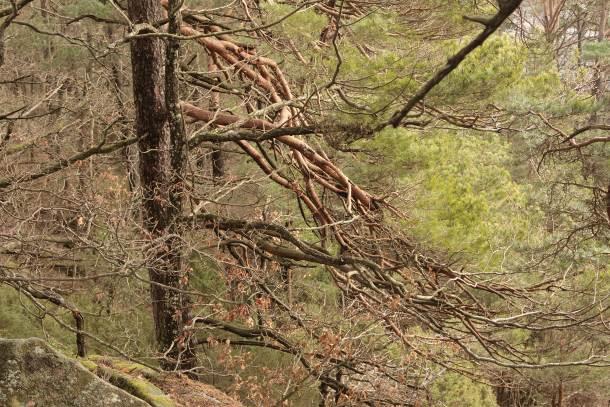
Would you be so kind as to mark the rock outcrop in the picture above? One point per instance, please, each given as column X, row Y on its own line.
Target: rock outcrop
column 159, row 389
column 32, row 374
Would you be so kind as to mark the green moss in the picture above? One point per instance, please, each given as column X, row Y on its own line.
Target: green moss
column 89, row 365
column 140, row 388
column 121, row 373
column 124, row 366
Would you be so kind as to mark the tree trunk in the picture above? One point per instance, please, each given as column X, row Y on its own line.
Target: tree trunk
column 161, row 166
column 599, row 86
column 218, row 160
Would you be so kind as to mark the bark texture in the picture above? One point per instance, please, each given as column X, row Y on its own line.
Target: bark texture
column 161, row 156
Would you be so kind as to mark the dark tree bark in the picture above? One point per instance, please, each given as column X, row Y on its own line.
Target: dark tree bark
column 218, row 164
column 599, row 85
column 161, row 155
column 218, row 159
column 512, row 395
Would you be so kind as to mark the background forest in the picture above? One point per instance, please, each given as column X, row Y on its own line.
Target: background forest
column 314, row 203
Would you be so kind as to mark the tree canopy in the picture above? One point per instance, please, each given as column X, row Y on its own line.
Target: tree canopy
column 324, row 202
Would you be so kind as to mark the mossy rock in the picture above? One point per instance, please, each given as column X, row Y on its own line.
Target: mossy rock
column 154, row 387
column 125, row 366
column 33, row 374
column 129, row 376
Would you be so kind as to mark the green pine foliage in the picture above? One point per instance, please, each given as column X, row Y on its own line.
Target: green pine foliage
column 454, row 390
column 598, row 49
column 464, row 197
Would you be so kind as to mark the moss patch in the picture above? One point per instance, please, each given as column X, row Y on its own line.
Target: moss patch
column 125, row 366
column 129, row 376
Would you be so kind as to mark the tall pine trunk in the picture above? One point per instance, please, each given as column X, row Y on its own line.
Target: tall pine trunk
column 161, row 157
